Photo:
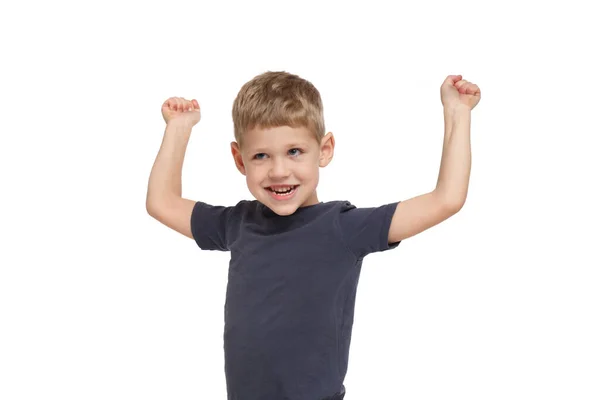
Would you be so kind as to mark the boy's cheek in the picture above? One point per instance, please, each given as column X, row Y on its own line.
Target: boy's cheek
column 255, row 176
column 255, row 173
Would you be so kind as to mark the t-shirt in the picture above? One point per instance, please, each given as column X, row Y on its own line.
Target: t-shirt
column 292, row 281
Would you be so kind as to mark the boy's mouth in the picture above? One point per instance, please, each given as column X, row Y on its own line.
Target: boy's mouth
column 282, row 191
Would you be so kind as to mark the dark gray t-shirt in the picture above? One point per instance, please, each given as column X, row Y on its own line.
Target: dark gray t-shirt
column 289, row 306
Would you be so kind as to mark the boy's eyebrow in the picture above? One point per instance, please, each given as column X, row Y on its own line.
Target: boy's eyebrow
column 266, row 150
column 299, row 144
column 257, row 150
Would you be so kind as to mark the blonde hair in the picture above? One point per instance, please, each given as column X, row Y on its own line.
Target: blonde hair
column 275, row 99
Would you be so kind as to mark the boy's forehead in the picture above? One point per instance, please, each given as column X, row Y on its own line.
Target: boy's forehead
column 277, row 136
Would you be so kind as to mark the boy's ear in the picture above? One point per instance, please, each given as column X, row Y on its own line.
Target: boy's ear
column 237, row 157
column 327, row 147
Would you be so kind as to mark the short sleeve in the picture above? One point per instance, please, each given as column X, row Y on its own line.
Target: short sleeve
column 366, row 230
column 210, row 226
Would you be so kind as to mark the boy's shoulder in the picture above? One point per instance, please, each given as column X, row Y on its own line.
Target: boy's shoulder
column 362, row 229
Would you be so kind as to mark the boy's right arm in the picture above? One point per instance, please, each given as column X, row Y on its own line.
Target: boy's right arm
column 164, row 200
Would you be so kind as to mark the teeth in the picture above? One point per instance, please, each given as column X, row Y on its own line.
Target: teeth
column 283, row 190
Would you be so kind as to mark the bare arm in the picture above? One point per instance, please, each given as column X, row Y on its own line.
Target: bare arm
column 420, row 213
column 163, row 199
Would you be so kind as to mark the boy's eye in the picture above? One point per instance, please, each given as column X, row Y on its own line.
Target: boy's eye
column 260, row 156
column 295, row 152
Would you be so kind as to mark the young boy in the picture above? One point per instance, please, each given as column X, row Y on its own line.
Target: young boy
column 295, row 261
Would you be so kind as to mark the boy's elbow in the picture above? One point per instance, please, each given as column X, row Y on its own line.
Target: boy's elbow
column 152, row 207
column 174, row 212
column 452, row 202
column 149, row 209
column 456, row 205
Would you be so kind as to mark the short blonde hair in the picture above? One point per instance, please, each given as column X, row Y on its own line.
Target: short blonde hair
column 275, row 99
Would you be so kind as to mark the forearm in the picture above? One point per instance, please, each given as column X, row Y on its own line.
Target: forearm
column 165, row 177
column 455, row 165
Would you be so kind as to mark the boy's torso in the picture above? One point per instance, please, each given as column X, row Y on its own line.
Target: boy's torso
column 289, row 305
column 291, row 292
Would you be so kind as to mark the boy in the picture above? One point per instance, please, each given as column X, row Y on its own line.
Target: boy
column 295, row 261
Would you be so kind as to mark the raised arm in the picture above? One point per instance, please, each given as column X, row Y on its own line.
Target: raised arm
column 420, row 213
column 164, row 200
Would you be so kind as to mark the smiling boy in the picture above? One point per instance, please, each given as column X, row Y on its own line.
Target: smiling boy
column 296, row 261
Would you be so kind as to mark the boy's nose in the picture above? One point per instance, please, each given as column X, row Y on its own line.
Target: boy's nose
column 279, row 169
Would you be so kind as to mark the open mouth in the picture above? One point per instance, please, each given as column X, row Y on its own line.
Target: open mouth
column 282, row 192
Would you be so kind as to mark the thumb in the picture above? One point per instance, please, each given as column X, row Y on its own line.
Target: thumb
column 452, row 79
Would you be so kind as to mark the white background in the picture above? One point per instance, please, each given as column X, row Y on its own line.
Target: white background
column 100, row 301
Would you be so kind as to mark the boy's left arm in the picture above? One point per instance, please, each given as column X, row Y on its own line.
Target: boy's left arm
column 420, row 213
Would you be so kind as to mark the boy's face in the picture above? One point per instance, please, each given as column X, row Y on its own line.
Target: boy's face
column 281, row 166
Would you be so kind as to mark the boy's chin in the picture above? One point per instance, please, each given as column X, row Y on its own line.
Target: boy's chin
column 283, row 209
column 284, row 213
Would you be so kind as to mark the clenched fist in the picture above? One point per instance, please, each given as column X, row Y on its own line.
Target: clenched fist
column 180, row 110
column 456, row 91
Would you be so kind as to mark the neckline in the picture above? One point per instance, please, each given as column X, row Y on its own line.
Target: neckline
column 268, row 212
